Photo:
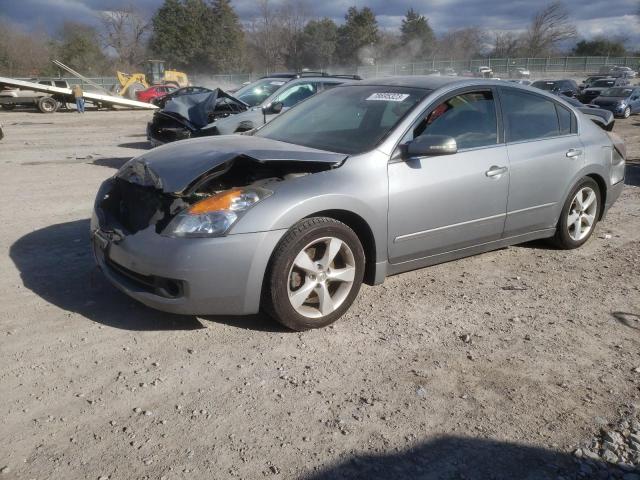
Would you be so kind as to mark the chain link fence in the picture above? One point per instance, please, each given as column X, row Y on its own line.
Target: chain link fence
column 548, row 67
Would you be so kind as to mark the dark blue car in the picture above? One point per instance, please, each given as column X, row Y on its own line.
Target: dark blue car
column 622, row 101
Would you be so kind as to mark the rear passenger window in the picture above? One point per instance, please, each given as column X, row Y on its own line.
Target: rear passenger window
column 564, row 117
column 529, row 116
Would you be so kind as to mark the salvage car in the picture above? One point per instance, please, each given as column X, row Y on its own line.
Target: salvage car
column 222, row 114
column 599, row 86
column 154, row 92
column 519, row 72
column 368, row 180
column 162, row 101
column 601, row 117
column 565, row 87
column 621, row 101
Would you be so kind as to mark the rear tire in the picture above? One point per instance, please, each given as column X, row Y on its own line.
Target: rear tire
column 579, row 215
column 48, row 105
column 314, row 274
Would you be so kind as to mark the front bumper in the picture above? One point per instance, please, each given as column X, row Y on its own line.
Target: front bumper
column 215, row 276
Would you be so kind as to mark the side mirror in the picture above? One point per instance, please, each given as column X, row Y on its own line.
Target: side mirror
column 273, row 108
column 431, row 145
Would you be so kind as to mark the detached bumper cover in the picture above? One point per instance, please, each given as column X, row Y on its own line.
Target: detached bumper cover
column 191, row 276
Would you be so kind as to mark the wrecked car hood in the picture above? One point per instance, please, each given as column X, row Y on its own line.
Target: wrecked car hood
column 197, row 108
column 175, row 167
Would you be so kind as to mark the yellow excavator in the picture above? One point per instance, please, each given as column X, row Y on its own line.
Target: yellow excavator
column 130, row 83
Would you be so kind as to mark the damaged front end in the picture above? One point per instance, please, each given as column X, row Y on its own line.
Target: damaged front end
column 192, row 115
column 199, row 191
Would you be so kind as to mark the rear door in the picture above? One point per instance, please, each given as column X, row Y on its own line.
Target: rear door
column 545, row 155
column 443, row 203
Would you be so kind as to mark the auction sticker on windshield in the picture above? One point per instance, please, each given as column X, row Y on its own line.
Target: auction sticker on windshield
column 388, row 97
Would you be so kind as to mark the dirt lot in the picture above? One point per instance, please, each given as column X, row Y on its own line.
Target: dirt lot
column 95, row 385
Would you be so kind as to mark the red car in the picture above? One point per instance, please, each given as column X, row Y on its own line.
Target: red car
column 154, row 92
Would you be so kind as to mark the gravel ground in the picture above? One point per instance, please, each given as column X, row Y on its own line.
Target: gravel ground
column 496, row 366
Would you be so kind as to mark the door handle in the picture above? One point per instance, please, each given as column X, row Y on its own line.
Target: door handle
column 574, row 152
column 495, row 171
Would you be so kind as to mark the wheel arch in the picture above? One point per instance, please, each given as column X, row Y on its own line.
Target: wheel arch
column 602, row 185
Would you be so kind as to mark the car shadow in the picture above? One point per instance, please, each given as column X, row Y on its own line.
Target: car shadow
column 452, row 457
column 631, row 320
column 112, row 162
column 138, row 145
column 56, row 263
column 632, row 174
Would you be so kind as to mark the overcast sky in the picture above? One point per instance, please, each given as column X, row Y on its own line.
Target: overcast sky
column 591, row 17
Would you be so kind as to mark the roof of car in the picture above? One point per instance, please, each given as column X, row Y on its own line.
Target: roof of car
column 430, row 82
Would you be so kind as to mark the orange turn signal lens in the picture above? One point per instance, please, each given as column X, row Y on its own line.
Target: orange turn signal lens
column 221, row 201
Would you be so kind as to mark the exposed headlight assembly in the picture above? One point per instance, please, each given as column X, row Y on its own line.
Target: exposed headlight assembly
column 214, row 216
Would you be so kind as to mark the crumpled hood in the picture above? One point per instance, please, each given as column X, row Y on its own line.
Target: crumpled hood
column 174, row 167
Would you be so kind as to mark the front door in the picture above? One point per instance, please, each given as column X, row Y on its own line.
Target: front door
column 443, row 203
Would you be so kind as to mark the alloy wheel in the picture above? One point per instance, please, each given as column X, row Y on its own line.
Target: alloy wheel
column 582, row 213
column 627, row 112
column 321, row 277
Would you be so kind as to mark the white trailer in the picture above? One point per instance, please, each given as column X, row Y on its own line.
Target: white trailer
column 60, row 94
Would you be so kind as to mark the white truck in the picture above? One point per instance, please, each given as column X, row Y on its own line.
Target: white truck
column 10, row 97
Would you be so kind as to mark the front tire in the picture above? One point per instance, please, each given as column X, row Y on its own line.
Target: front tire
column 579, row 215
column 314, row 275
column 626, row 113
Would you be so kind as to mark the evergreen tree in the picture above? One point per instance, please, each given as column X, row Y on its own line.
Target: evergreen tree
column 319, row 42
column 417, row 36
column 358, row 37
column 80, row 49
column 225, row 49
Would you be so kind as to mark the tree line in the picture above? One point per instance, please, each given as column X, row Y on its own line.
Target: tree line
column 207, row 36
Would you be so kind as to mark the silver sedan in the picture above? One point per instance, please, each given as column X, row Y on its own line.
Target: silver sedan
column 353, row 185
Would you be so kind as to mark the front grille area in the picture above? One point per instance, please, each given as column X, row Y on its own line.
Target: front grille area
column 133, row 207
column 163, row 287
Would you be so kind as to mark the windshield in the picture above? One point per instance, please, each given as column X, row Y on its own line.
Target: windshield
column 257, row 92
column 604, row 83
column 350, row 119
column 617, row 92
column 545, row 85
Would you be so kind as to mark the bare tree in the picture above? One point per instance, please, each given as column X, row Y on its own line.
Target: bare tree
column 506, row 44
column 125, row 31
column 25, row 54
column 549, row 27
column 463, row 44
column 264, row 36
column 294, row 16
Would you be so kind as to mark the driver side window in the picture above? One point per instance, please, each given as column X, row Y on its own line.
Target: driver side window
column 470, row 118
